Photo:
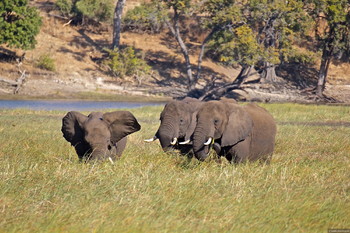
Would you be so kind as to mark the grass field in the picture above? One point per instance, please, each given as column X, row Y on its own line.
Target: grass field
column 306, row 188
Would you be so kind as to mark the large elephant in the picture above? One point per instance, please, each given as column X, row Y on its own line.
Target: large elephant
column 99, row 135
column 178, row 121
column 239, row 133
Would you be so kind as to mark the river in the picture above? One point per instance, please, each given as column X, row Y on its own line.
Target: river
column 71, row 105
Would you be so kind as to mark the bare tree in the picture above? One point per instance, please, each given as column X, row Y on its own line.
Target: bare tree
column 175, row 30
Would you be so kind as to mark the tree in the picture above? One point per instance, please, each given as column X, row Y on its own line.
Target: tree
column 19, row 24
column 332, row 32
column 179, row 8
column 254, row 32
column 117, row 20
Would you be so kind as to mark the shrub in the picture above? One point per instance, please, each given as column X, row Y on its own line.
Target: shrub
column 125, row 62
column 45, row 62
column 65, row 6
column 19, row 24
column 145, row 17
column 302, row 57
column 98, row 10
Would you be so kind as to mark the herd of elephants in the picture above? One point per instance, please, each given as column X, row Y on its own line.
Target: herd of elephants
column 238, row 133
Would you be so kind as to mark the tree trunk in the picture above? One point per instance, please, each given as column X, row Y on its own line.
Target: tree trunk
column 269, row 73
column 201, row 54
column 322, row 76
column 327, row 54
column 117, row 19
column 176, row 32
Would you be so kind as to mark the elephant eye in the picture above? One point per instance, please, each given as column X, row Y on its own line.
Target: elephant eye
column 101, row 118
column 216, row 121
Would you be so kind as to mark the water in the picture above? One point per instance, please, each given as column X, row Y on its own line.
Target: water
column 70, row 105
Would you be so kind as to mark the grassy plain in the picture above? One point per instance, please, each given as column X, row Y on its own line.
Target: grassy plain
column 306, row 188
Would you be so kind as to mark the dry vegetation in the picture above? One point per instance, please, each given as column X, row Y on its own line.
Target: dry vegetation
column 77, row 52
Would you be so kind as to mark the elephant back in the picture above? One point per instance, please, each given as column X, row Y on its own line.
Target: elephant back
column 264, row 132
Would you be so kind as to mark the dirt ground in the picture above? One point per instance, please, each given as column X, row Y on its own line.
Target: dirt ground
column 77, row 52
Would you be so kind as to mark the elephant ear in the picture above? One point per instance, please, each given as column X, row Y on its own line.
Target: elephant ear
column 71, row 127
column 239, row 126
column 121, row 124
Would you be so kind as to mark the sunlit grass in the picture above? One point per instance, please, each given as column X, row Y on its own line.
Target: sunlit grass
column 44, row 188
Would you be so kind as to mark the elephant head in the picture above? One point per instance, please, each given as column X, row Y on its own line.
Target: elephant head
column 224, row 122
column 98, row 135
column 178, row 120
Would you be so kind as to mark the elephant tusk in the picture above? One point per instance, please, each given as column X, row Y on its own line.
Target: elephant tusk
column 185, row 142
column 151, row 139
column 174, row 141
column 111, row 160
column 208, row 142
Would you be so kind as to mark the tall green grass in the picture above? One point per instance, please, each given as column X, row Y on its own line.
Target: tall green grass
column 306, row 188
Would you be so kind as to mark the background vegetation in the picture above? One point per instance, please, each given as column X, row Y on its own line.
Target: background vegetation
column 43, row 187
column 19, row 24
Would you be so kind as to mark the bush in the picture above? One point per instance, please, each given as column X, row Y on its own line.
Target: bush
column 65, row 6
column 97, row 10
column 45, row 62
column 302, row 57
column 125, row 62
column 19, row 24
column 145, row 17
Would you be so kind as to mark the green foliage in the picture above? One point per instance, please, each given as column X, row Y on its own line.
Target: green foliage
column 180, row 5
column 98, row 10
column 19, row 24
column 46, row 62
column 304, row 57
column 146, row 17
column 239, row 47
column 125, row 62
column 332, row 25
column 43, row 187
column 65, row 6
column 254, row 31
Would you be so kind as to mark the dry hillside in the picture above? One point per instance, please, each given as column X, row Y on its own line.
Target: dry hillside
column 77, row 52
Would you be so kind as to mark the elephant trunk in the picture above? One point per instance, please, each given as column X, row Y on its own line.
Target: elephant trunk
column 168, row 132
column 100, row 151
column 97, row 155
column 201, row 141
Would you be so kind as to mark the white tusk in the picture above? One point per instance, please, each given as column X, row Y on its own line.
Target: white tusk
column 208, row 142
column 151, row 139
column 185, row 142
column 174, row 141
column 110, row 159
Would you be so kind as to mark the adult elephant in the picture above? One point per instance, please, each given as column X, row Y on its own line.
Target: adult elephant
column 99, row 135
column 177, row 123
column 239, row 133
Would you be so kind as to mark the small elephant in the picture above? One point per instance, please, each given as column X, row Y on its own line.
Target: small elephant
column 239, row 133
column 99, row 135
column 178, row 121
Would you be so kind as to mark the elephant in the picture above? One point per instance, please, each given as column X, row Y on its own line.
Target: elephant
column 99, row 135
column 239, row 133
column 178, row 121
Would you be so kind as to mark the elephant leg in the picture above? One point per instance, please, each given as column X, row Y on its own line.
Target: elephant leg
column 239, row 153
column 121, row 144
